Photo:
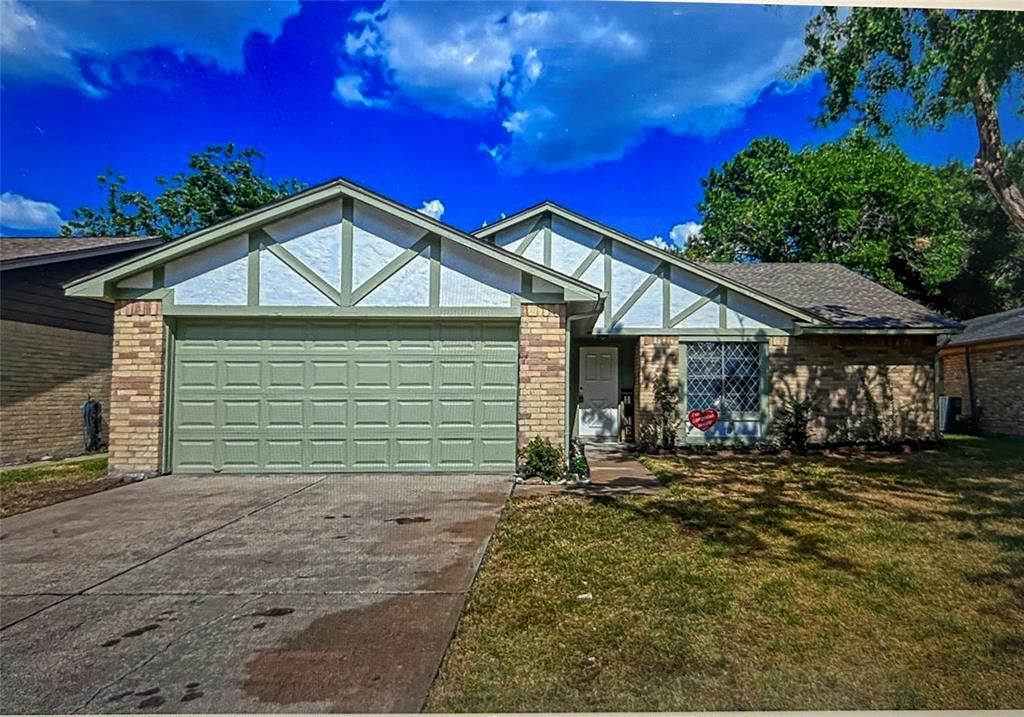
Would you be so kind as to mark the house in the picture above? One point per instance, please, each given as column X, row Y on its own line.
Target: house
column 55, row 350
column 338, row 330
column 984, row 368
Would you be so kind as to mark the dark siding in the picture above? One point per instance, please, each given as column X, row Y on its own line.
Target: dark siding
column 35, row 295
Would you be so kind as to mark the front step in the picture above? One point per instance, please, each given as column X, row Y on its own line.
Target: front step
column 605, row 449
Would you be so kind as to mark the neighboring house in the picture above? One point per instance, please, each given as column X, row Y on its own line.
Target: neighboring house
column 984, row 368
column 337, row 330
column 54, row 349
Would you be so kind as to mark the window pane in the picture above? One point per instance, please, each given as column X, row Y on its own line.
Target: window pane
column 725, row 376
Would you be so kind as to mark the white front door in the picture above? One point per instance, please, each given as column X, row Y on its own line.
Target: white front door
column 599, row 392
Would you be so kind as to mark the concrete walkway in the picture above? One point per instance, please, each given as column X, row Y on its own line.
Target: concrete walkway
column 613, row 471
column 240, row 593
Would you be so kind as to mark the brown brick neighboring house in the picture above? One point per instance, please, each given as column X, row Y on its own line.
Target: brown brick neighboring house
column 55, row 351
column 984, row 368
column 339, row 331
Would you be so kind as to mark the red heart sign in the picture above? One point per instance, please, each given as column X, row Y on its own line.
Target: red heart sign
column 703, row 420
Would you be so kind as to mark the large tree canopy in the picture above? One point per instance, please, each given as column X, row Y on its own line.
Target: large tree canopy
column 944, row 62
column 221, row 182
column 858, row 202
column 992, row 275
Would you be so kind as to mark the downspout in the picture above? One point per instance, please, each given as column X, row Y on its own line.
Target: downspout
column 596, row 311
column 970, row 387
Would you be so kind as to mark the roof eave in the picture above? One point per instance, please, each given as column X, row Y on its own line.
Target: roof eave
column 58, row 257
column 569, row 215
column 95, row 285
column 881, row 330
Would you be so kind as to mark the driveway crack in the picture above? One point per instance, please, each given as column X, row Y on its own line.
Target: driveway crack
column 169, row 550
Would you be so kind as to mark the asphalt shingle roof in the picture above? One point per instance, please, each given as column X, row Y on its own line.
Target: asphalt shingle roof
column 12, row 248
column 991, row 327
column 834, row 293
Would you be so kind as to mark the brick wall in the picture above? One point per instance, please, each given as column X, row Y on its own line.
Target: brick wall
column 656, row 356
column 865, row 387
column 137, row 384
column 954, row 375
column 46, row 374
column 542, row 373
column 997, row 372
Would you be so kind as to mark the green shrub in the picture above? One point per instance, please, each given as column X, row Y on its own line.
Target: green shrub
column 790, row 424
column 542, row 459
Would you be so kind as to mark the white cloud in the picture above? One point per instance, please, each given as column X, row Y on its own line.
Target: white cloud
column 18, row 212
column 659, row 241
column 433, row 208
column 680, row 234
column 53, row 40
column 349, row 89
column 577, row 83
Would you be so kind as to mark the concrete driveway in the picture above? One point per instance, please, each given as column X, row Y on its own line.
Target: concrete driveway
column 240, row 593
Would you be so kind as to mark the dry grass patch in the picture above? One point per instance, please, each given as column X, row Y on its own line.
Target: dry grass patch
column 24, row 489
column 757, row 583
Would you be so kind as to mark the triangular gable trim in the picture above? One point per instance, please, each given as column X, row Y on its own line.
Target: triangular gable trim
column 96, row 285
column 615, row 235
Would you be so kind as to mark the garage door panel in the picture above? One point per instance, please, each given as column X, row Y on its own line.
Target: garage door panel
column 328, row 454
column 240, row 414
column 328, row 413
column 327, row 374
column 285, row 374
column 197, row 374
column 198, row 414
column 293, row 396
column 240, row 454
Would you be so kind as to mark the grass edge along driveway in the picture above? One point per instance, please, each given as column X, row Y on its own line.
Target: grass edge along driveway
column 869, row 582
column 24, row 489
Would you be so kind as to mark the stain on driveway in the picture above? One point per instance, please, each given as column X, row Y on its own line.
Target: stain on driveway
column 240, row 593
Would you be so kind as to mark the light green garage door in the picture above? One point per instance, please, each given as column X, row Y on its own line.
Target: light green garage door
column 324, row 396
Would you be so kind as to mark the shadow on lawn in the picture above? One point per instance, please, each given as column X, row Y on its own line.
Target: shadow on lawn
column 791, row 509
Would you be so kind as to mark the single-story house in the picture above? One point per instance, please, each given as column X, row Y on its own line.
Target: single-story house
column 338, row 330
column 55, row 350
column 984, row 368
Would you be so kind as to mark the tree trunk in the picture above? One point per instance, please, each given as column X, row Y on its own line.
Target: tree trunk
column 989, row 163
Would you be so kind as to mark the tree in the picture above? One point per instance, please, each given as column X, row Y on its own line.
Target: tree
column 858, row 202
column 221, row 182
column 945, row 62
column 991, row 278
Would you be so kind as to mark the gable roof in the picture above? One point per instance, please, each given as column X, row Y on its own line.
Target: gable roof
column 835, row 293
column 548, row 206
column 829, row 295
column 1003, row 326
column 93, row 285
column 20, row 252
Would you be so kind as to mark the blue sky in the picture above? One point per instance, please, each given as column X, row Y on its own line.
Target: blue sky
column 615, row 110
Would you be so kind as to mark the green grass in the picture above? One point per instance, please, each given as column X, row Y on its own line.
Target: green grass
column 24, row 489
column 824, row 582
column 91, row 468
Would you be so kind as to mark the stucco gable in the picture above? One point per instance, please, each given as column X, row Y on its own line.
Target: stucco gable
column 336, row 245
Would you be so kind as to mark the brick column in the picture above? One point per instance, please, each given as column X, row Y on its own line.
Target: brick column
column 542, row 373
column 656, row 356
column 136, row 391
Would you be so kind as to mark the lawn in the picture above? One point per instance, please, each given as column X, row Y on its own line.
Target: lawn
column 823, row 582
column 23, row 489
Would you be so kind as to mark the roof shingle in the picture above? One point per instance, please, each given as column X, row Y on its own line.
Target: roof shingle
column 12, row 248
column 992, row 327
column 834, row 293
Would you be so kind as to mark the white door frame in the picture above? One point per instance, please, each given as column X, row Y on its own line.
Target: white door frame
column 602, row 421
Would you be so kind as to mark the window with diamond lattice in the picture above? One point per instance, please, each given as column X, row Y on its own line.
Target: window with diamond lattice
column 724, row 376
